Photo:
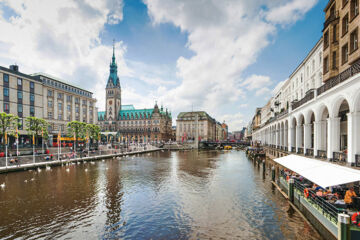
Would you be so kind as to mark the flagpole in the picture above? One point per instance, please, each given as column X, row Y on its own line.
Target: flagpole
column 17, row 142
column 33, row 148
column 6, row 157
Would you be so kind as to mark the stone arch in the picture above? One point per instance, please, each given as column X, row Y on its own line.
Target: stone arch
column 335, row 106
column 356, row 102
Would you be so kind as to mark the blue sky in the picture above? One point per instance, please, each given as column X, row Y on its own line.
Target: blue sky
column 224, row 57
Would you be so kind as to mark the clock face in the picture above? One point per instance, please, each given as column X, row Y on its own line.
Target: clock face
column 110, row 102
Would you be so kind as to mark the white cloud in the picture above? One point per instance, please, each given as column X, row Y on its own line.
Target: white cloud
column 255, row 82
column 263, row 92
column 234, row 120
column 62, row 38
column 226, row 37
column 290, row 12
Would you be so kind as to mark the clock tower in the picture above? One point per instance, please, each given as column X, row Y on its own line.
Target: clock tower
column 113, row 92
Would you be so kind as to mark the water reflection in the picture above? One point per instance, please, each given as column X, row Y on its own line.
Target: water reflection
column 164, row 195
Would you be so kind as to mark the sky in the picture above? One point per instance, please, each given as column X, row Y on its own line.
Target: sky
column 222, row 57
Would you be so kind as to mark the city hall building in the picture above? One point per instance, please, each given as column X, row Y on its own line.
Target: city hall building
column 129, row 123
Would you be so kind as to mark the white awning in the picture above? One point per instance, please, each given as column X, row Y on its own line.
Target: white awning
column 322, row 173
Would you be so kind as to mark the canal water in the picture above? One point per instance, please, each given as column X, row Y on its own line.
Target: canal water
column 162, row 195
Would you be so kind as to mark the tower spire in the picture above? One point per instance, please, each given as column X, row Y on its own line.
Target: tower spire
column 113, row 57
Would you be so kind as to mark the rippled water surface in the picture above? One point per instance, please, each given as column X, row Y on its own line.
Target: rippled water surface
column 163, row 195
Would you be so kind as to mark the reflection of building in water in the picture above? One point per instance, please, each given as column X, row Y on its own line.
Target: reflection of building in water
column 113, row 200
column 196, row 163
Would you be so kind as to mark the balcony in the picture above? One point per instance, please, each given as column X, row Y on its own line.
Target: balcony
column 309, row 152
column 357, row 160
column 330, row 19
column 322, row 154
column 332, row 82
column 309, row 96
column 339, row 157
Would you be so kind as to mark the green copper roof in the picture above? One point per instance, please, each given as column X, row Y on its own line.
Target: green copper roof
column 135, row 114
column 113, row 80
column 127, row 107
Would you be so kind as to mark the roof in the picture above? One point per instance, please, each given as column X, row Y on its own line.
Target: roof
column 201, row 114
column 37, row 76
column 19, row 73
column 322, row 173
column 101, row 115
column 127, row 107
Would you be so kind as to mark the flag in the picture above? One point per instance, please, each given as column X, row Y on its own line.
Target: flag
column 5, row 137
column 59, row 136
column 42, row 132
column 33, row 139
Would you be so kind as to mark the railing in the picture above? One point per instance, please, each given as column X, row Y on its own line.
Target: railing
column 309, row 152
column 293, row 149
column 283, row 113
column 300, row 150
column 331, row 18
column 330, row 83
column 322, row 154
column 357, row 160
column 325, row 208
column 309, row 95
column 339, row 156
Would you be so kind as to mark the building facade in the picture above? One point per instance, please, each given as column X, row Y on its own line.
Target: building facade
column 46, row 97
column 187, row 123
column 131, row 124
column 323, row 119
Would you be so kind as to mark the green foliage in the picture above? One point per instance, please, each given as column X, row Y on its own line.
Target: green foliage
column 76, row 129
column 36, row 126
column 8, row 124
column 93, row 131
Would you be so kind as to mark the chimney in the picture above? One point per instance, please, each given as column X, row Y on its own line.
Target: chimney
column 14, row 67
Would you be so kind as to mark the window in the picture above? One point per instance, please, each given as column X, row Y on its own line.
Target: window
column 20, row 123
column 6, row 78
column 334, row 60
column 20, row 108
column 344, row 53
column 354, row 8
column 6, row 92
column 69, row 108
column 354, row 41
column 50, row 93
column 50, row 115
column 326, row 65
column 19, row 95
column 32, row 97
column 84, row 110
column 59, row 95
column 77, row 100
column 326, row 39
column 77, row 109
column 84, row 102
column 31, row 85
column 6, row 107
column 345, row 24
column 32, row 111
column 60, row 116
column 19, row 82
column 69, row 117
column 334, row 33
column 68, row 98
column 59, row 105
column 50, row 103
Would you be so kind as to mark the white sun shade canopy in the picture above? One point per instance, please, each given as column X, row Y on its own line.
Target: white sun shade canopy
column 322, row 173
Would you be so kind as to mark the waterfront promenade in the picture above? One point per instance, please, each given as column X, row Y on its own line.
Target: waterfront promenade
column 44, row 160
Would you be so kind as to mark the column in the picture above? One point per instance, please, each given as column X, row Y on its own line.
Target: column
column 73, row 108
column 307, row 136
column 333, row 136
column 281, row 137
column 291, row 139
column 276, row 137
column 298, row 137
column 55, row 116
column 65, row 113
column 317, row 137
column 88, row 111
column 353, row 135
column 81, row 110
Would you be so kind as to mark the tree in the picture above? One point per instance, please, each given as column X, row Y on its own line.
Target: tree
column 37, row 127
column 8, row 123
column 76, row 129
column 93, row 131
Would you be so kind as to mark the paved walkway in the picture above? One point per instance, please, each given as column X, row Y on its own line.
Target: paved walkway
column 41, row 162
